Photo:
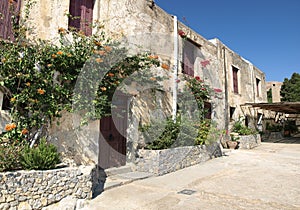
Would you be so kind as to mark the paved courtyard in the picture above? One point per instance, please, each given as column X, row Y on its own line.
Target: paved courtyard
column 267, row 177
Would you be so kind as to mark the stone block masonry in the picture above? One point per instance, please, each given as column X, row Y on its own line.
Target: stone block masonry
column 249, row 141
column 37, row 189
column 160, row 162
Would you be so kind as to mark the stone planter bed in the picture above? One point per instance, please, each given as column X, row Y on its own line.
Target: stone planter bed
column 160, row 162
column 249, row 141
column 37, row 189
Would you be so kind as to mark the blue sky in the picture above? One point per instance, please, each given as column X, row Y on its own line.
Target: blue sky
column 265, row 32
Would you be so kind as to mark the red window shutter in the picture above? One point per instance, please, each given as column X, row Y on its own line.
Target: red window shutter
column 8, row 9
column 81, row 12
column 188, row 58
column 235, row 80
column 75, row 14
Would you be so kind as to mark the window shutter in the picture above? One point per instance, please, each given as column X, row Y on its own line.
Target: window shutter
column 81, row 15
column 188, row 58
column 75, row 12
column 235, row 80
column 6, row 27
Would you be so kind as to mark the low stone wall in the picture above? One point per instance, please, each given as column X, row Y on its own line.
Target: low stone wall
column 160, row 162
column 249, row 141
column 36, row 189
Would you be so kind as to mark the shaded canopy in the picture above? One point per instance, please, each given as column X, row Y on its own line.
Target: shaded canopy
column 283, row 107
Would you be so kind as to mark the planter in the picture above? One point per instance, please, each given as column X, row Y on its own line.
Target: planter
column 232, row 144
column 161, row 162
column 249, row 141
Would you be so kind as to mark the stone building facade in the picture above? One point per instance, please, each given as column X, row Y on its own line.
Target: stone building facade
column 144, row 27
column 275, row 87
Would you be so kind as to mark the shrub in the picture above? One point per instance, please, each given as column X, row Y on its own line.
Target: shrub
column 42, row 157
column 241, row 129
column 10, row 156
column 183, row 132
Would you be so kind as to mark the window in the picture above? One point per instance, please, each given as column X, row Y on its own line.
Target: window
column 258, row 87
column 189, row 57
column 246, row 120
column 235, row 79
column 81, row 15
column 207, row 110
column 7, row 10
column 232, row 110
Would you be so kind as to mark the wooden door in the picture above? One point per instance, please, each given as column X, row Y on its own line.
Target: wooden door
column 112, row 145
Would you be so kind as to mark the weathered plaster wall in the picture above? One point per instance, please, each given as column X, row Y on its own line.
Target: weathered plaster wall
column 146, row 107
column 247, row 90
column 78, row 144
column 46, row 17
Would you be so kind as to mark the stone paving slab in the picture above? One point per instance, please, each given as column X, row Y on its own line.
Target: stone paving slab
column 266, row 177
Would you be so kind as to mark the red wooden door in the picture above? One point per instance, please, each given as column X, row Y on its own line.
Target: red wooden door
column 81, row 12
column 112, row 145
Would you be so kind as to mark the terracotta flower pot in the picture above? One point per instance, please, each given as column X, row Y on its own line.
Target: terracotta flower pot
column 232, row 144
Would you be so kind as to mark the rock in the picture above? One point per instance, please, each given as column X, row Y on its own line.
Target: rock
column 68, row 203
column 24, row 206
column 80, row 203
column 4, row 206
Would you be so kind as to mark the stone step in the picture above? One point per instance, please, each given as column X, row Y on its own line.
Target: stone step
column 125, row 178
column 118, row 170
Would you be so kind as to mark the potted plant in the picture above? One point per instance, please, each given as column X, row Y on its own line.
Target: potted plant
column 233, row 143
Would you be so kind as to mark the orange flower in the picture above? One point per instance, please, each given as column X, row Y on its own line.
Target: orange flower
column 99, row 60
column 107, row 48
column 103, row 89
column 97, row 43
column 153, row 56
column 111, row 74
column 153, row 79
column 81, row 32
column 61, row 31
column 54, row 56
column 99, row 52
column 49, row 65
column 27, row 84
column 13, row 99
column 41, row 91
column 59, row 53
column 10, row 126
column 24, row 131
column 165, row 66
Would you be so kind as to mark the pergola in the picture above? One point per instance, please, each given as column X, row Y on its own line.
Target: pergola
column 282, row 107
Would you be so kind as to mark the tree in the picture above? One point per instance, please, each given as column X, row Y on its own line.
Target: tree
column 291, row 88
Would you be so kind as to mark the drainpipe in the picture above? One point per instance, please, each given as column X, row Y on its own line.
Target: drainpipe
column 175, row 69
column 226, row 94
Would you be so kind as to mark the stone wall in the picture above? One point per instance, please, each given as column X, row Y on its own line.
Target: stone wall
column 160, row 162
column 249, row 141
column 36, row 189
